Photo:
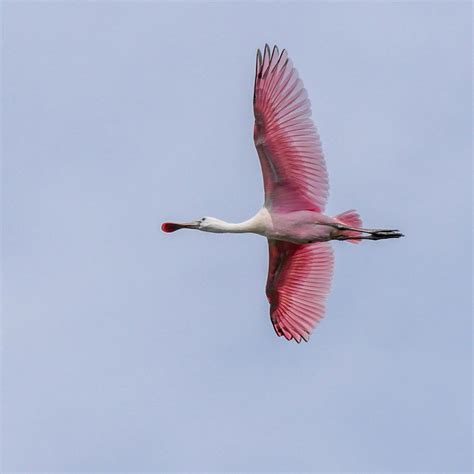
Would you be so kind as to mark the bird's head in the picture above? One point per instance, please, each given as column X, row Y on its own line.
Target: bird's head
column 206, row 224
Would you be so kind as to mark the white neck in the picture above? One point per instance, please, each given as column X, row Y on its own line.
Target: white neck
column 253, row 225
column 220, row 226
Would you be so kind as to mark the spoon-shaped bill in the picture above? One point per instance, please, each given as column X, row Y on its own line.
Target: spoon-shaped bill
column 174, row 226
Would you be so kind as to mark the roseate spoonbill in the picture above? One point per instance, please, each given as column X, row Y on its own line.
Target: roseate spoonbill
column 296, row 188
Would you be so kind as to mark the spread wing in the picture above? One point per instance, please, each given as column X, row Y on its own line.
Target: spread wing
column 288, row 145
column 299, row 279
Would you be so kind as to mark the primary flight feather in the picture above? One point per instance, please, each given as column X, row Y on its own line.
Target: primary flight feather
column 296, row 189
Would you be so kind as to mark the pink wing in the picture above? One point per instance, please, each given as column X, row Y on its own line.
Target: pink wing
column 299, row 279
column 288, row 145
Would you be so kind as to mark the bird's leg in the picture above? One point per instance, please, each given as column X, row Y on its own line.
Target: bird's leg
column 360, row 229
column 373, row 234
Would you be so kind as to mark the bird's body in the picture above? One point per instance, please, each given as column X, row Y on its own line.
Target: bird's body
column 296, row 188
column 302, row 227
column 299, row 227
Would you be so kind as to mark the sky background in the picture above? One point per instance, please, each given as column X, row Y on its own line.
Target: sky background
column 126, row 349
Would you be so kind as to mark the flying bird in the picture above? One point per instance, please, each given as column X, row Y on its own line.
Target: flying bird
column 296, row 189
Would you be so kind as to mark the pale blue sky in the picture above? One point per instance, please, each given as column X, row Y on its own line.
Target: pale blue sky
column 125, row 349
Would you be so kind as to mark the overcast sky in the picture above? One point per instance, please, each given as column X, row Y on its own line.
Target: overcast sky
column 126, row 349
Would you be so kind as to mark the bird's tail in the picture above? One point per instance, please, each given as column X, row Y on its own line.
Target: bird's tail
column 350, row 218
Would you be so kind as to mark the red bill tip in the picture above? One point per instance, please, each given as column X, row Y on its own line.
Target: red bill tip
column 169, row 227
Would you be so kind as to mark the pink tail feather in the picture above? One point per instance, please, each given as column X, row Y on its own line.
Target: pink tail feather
column 352, row 219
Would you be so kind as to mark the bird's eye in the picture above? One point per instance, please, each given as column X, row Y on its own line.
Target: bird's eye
column 203, row 219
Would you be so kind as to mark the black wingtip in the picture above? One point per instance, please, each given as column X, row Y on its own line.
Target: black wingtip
column 267, row 50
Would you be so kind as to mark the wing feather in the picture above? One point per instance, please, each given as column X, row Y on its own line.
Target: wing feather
column 299, row 279
column 287, row 142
